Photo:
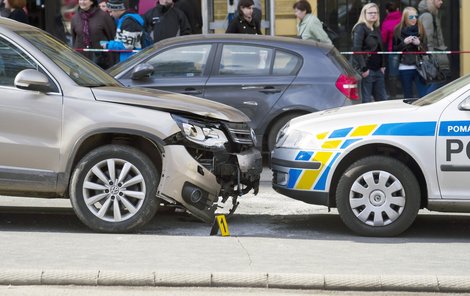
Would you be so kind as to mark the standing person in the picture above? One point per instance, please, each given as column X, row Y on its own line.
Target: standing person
column 431, row 20
column 103, row 4
column 309, row 27
column 166, row 21
column 392, row 19
column 409, row 36
column 244, row 23
column 366, row 37
column 129, row 30
column 3, row 11
column 257, row 13
column 192, row 10
column 16, row 8
column 89, row 26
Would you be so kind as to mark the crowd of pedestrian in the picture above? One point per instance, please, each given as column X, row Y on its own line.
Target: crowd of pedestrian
column 116, row 25
column 409, row 31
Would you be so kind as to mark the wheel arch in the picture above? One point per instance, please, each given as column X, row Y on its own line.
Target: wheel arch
column 384, row 150
column 149, row 144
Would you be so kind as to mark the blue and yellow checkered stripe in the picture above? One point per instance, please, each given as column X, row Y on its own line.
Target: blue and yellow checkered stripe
column 340, row 139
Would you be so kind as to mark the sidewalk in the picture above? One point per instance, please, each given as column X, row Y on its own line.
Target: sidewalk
column 409, row 283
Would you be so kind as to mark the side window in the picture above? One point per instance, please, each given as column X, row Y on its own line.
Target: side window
column 245, row 60
column 285, row 64
column 186, row 61
column 12, row 61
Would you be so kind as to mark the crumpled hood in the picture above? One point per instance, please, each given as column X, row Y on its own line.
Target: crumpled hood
column 356, row 114
column 170, row 102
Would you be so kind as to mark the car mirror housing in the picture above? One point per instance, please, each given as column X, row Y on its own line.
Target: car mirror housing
column 30, row 79
column 142, row 71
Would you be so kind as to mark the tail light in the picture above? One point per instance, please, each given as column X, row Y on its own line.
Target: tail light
column 348, row 86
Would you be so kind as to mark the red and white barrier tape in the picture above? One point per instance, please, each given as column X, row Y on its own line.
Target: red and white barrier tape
column 406, row 52
column 106, row 50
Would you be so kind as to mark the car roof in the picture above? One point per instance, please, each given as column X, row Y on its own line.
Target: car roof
column 258, row 39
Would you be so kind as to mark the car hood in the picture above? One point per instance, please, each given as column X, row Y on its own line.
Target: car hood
column 388, row 111
column 170, row 102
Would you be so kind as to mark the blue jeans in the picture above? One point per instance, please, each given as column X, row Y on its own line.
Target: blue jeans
column 373, row 85
column 433, row 86
column 407, row 78
column 393, row 64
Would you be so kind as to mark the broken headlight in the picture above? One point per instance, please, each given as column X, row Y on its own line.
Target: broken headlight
column 202, row 133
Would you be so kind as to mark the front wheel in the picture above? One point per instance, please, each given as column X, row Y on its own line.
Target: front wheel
column 113, row 189
column 378, row 196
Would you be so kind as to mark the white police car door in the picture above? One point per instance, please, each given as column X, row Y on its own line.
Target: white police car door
column 453, row 150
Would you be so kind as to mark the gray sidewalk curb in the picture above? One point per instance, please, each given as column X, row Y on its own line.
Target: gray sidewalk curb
column 410, row 283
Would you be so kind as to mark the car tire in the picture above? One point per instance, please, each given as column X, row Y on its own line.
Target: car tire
column 378, row 196
column 276, row 127
column 113, row 189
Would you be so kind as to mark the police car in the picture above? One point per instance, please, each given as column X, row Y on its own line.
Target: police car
column 379, row 163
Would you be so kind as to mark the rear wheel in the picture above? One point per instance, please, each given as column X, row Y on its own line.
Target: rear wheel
column 378, row 196
column 113, row 189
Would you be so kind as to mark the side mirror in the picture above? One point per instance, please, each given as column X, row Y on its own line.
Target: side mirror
column 30, row 79
column 142, row 71
column 465, row 105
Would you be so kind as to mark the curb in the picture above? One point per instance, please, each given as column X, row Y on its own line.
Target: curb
column 405, row 283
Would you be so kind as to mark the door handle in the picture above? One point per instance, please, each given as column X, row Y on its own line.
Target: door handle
column 270, row 89
column 191, row 91
column 251, row 103
column 250, row 87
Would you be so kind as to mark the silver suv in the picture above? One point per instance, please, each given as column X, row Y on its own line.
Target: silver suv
column 68, row 129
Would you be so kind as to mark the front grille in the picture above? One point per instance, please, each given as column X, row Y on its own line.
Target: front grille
column 240, row 133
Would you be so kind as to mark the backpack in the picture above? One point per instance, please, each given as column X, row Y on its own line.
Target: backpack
column 146, row 38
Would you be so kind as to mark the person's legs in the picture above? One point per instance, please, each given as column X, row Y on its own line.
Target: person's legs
column 433, row 86
column 366, row 89
column 421, row 87
column 392, row 76
column 406, row 77
column 378, row 87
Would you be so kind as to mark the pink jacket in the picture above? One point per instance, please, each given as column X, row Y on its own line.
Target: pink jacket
column 388, row 26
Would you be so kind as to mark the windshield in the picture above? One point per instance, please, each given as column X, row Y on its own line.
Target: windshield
column 77, row 67
column 442, row 92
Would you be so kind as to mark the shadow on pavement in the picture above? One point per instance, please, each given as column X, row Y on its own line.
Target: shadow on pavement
column 437, row 228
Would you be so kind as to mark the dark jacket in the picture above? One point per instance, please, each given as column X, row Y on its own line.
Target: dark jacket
column 192, row 10
column 240, row 25
column 102, row 28
column 166, row 22
column 399, row 44
column 19, row 15
column 365, row 39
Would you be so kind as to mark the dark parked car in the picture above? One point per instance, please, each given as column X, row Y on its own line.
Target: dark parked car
column 270, row 79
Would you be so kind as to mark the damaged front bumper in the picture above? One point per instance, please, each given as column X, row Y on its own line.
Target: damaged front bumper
column 198, row 184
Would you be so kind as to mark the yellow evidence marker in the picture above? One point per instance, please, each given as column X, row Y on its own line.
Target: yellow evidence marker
column 220, row 223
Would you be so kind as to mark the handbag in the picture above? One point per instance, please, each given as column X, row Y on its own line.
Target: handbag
column 428, row 69
column 331, row 34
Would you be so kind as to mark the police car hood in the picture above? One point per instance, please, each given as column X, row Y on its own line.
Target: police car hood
column 370, row 113
column 169, row 102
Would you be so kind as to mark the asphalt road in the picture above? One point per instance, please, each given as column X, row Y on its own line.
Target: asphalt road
column 269, row 233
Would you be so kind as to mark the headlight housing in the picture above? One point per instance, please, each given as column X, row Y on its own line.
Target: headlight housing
column 289, row 137
column 202, row 133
